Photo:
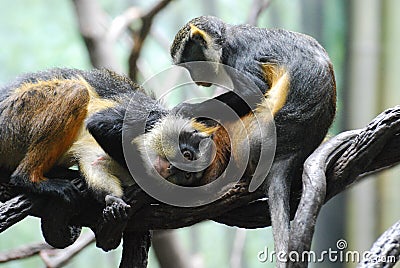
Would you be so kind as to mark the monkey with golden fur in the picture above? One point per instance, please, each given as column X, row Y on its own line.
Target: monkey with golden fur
column 303, row 107
column 56, row 118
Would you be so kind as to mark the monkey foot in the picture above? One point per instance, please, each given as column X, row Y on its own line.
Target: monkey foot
column 115, row 218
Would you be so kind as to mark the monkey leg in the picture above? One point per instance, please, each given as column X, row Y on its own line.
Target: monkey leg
column 115, row 218
column 100, row 171
column 57, row 232
column 52, row 114
column 116, row 209
column 103, row 179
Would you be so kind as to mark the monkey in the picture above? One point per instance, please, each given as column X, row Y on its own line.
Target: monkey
column 42, row 125
column 47, row 118
column 303, row 107
column 228, row 139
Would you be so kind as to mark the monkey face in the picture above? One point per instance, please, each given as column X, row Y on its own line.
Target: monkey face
column 186, row 165
column 200, row 40
column 177, row 149
column 176, row 175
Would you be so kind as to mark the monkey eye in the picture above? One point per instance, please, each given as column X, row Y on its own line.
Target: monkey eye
column 188, row 175
column 187, row 154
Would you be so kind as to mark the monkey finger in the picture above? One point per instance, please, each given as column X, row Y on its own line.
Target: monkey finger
column 124, row 212
column 108, row 214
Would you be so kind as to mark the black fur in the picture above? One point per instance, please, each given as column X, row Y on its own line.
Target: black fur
column 303, row 121
column 310, row 106
column 138, row 113
column 60, row 188
column 106, row 83
column 106, row 128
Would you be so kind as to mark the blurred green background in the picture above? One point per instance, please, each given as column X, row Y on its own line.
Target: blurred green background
column 362, row 40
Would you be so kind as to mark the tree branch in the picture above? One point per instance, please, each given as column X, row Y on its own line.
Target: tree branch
column 256, row 9
column 14, row 210
column 92, row 23
column 140, row 35
column 385, row 252
column 23, row 252
column 121, row 23
column 337, row 163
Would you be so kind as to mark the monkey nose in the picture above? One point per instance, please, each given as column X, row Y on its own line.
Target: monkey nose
column 163, row 167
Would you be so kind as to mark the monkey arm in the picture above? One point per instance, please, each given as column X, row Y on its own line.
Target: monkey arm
column 239, row 106
column 244, row 98
column 106, row 127
column 138, row 115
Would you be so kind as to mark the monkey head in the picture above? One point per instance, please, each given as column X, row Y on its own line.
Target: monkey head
column 201, row 39
column 177, row 149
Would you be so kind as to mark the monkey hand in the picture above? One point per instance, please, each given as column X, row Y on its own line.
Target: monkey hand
column 115, row 218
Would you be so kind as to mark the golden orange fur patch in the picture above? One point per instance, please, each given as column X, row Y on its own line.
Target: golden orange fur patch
column 279, row 83
column 203, row 128
column 194, row 30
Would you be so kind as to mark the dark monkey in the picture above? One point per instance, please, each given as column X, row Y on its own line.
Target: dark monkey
column 303, row 106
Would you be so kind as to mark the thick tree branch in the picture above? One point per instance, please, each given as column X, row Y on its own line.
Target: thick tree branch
column 314, row 191
column 14, row 210
column 385, row 252
column 362, row 154
column 338, row 163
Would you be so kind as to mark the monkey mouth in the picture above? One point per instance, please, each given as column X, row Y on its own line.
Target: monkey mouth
column 204, row 84
column 162, row 166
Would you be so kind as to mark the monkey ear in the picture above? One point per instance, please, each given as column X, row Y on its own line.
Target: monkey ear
column 199, row 36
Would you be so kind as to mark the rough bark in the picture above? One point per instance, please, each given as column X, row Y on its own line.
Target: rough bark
column 385, row 252
column 135, row 249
